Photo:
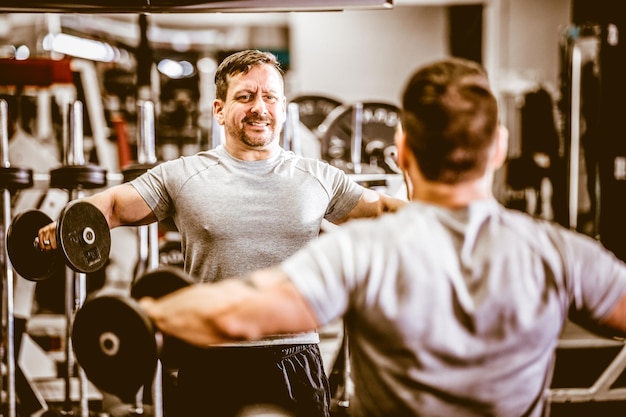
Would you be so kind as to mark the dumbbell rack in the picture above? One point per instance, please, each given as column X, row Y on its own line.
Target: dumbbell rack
column 11, row 180
column 75, row 176
column 44, row 73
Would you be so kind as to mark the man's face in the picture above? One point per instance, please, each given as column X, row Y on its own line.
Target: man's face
column 254, row 110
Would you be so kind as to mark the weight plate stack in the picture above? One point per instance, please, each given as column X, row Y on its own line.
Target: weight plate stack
column 378, row 149
column 313, row 109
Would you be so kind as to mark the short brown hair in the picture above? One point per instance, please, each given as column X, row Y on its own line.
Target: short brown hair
column 450, row 117
column 240, row 63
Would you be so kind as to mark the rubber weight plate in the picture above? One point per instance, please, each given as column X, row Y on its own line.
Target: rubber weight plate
column 159, row 282
column 28, row 260
column 133, row 171
column 16, row 178
column 313, row 109
column 84, row 237
column 71, row 177
column 378, row 149
column 114, row 342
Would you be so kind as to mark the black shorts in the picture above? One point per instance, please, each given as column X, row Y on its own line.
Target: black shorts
column 221, row 382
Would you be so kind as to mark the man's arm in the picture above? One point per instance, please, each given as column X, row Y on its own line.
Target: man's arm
column 264, row 303
column 372, row 204
column 616, row 319
column 121, row 205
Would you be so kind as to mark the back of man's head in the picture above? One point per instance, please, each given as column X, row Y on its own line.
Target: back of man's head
column 450, row 118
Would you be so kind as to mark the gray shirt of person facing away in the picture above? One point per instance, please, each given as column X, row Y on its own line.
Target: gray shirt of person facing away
column 455, row 312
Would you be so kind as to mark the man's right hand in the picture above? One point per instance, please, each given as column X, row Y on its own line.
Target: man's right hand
column 46, row 236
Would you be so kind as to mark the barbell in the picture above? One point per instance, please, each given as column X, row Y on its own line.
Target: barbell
column 115, row 342
column 83, row 241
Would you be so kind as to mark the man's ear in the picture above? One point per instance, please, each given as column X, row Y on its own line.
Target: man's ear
column 218, row 106
column 501, row 146
column 402, row 148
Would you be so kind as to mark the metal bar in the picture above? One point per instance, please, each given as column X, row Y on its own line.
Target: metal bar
column 148, row 238
column 4, row 133
column 75, row 151
column 293, row 141
column 8, row 291
column 217, row 134
column 357, row 137
column 75, row 282
column 146, row 153
column 574, row 159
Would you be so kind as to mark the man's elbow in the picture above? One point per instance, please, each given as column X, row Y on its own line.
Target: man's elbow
column 616, row 319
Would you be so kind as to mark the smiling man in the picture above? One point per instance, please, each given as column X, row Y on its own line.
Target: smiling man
column 245, row 205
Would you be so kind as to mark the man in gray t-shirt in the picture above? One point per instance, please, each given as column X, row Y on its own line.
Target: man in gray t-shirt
column 245, row 205
column 454, row 304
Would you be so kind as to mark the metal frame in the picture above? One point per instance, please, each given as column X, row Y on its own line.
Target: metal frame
column 601, row 389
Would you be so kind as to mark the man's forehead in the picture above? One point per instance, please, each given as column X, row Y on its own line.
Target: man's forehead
column 258, row 77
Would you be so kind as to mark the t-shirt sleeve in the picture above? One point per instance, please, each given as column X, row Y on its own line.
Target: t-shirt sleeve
column 153, row 188
column 321, row 271
column 345, row 193
column 596, row 278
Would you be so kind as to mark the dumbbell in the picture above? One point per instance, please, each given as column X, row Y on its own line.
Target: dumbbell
column 114, row 341
column 83, row 241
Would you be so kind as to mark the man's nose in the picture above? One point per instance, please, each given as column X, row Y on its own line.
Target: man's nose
column 258, row 105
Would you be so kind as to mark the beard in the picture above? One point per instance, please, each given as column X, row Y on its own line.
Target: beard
column 257, row 140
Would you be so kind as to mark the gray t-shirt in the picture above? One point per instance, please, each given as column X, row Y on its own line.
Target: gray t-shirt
column 455, row 312
column 238, row 216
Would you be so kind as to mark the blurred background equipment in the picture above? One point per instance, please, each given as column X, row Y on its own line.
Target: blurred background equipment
column 556, row 66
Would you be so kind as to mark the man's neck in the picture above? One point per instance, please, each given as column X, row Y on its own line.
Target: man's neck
column 453, row 196
column 252, row 154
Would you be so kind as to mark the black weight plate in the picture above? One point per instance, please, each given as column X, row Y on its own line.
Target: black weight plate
column 83, row 236
column 378, row 149
column 132, row 171
column 72, row 177
column 114, row 342
column 15, row 178
column 159, row 282
column 28, row 260
column 313, row 109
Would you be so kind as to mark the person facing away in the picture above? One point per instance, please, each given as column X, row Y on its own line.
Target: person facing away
column 454, row 304
column 245, row 205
